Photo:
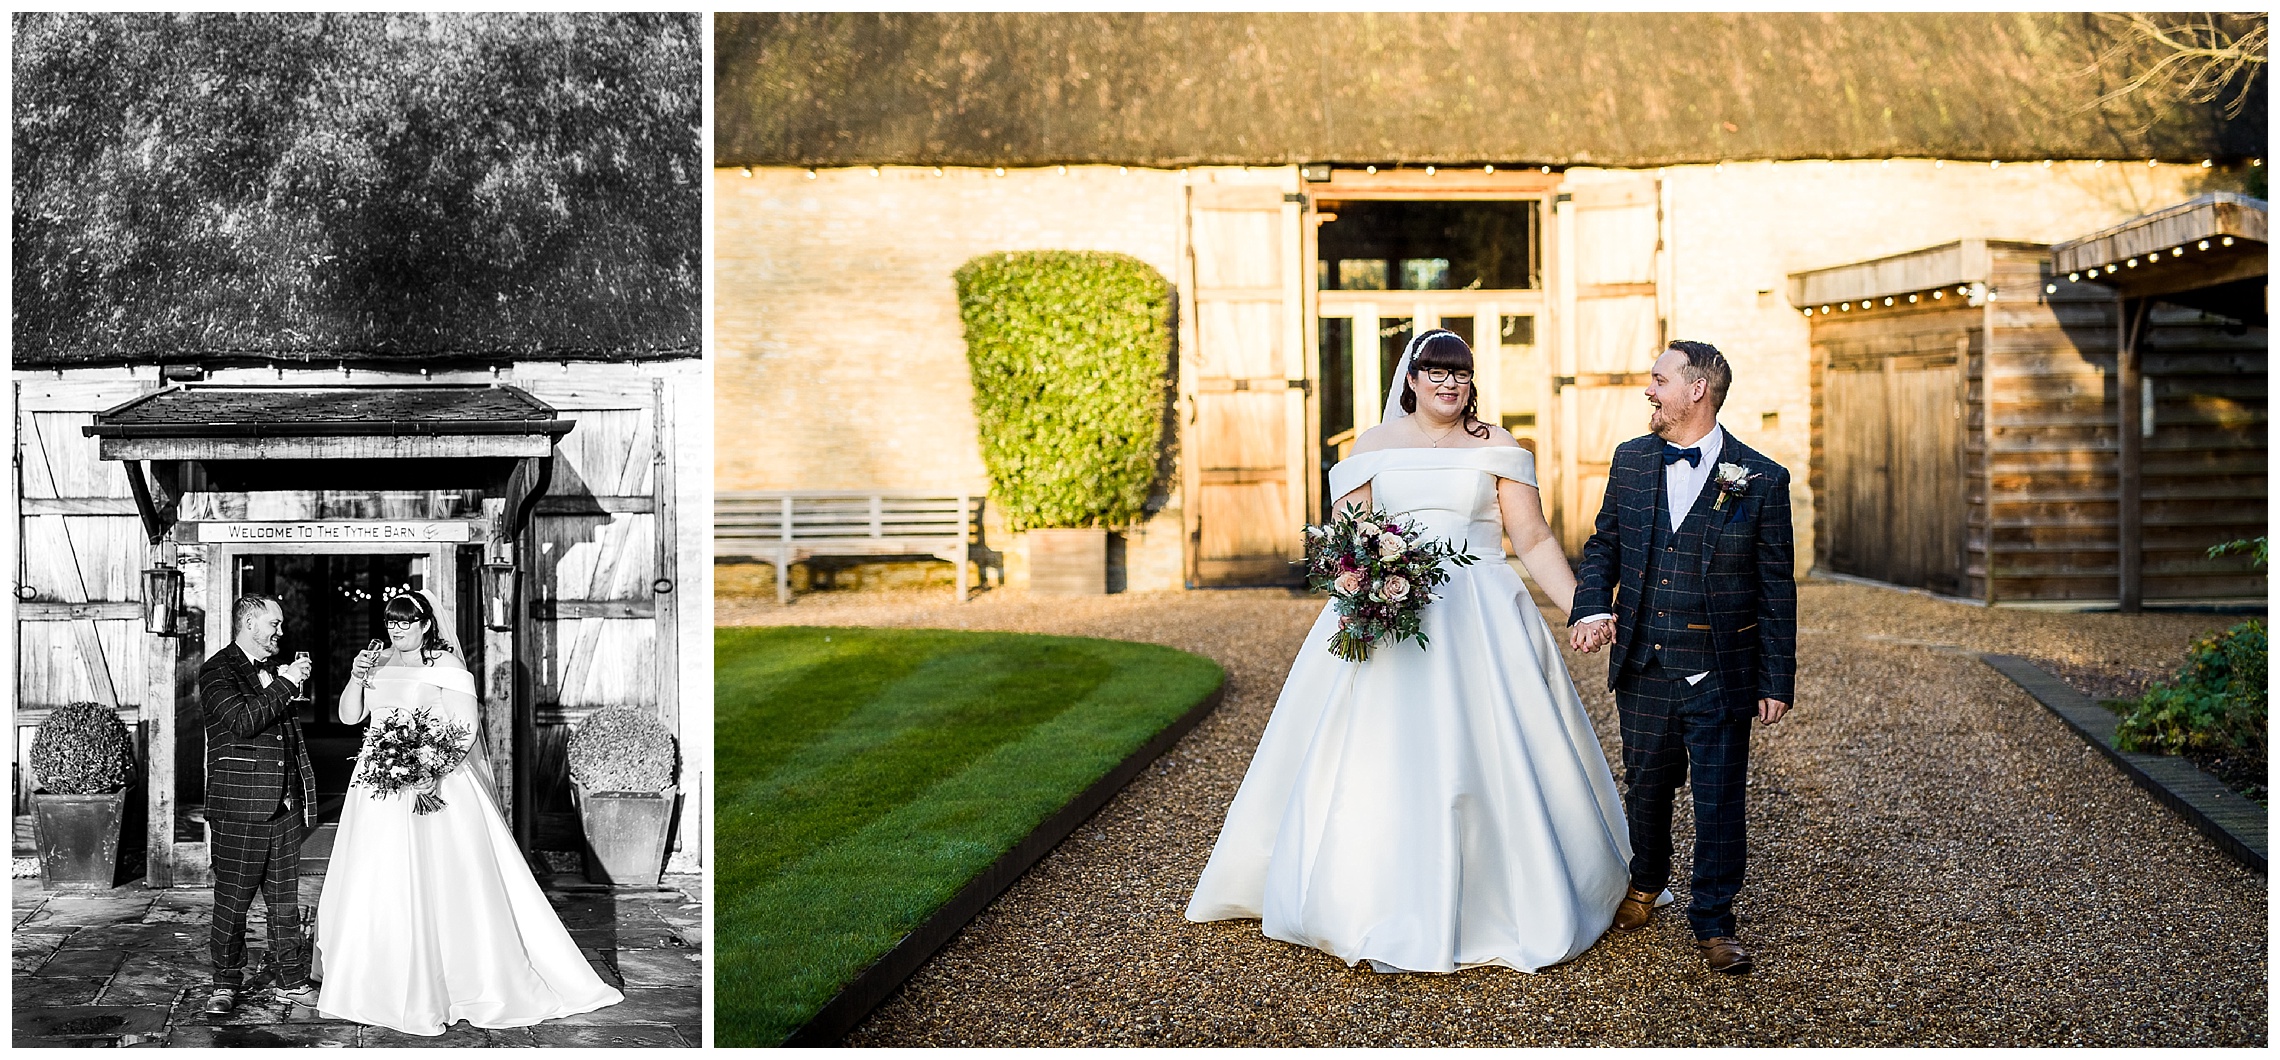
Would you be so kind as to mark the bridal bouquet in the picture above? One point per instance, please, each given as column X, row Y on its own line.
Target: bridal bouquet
column 410, row 751
column 1379, row 575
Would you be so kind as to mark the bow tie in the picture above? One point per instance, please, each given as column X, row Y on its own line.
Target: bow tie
column 1673, row 454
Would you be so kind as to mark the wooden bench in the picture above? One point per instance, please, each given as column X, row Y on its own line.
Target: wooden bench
column 786, row 526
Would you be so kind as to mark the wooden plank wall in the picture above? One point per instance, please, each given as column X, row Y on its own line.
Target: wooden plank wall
column 2203, row 469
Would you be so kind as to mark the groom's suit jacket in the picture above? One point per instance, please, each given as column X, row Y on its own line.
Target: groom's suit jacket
column 1746, row 565
column 253, row 742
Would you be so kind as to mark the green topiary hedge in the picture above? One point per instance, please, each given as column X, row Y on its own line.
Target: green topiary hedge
column 1071, row 353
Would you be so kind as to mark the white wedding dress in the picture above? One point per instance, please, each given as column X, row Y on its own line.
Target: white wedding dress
column 428, row 919
column 1431, row 808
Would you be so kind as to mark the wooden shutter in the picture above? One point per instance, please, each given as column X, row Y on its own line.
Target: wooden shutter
column 1244, row 466
column 1612, row 258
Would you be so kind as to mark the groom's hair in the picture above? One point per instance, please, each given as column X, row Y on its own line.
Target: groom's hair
column 1703, row 361
column 248, row 606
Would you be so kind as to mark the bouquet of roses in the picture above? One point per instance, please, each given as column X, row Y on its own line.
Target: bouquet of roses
column 411, row 751
column 1379, row 575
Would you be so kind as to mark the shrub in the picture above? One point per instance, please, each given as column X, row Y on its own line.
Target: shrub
column 2216, row 704
column 621, row 749
column 1070, row 352
column 82, row 749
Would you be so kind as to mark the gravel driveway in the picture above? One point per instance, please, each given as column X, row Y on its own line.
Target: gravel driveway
column 1934, row 860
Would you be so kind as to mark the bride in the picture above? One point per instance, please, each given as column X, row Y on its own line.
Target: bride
column 1435, row 808
column 428, row 919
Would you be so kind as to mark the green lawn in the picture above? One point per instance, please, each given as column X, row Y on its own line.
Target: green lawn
column 866, row 775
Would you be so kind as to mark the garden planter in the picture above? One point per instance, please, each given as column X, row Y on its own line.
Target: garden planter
column 1068, row 562
column 626, row 834
column 78, row 840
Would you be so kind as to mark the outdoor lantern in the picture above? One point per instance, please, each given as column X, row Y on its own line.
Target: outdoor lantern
column 499, row 596
column 162, row 601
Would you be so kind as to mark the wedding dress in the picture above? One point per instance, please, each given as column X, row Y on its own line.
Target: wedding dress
column 428, row 919
column 1431, row 808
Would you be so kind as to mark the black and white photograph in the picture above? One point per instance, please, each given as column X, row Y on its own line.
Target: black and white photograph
column 362, row 670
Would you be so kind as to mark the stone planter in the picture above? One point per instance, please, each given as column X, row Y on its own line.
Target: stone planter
column 626, row 834
column 1068, row 562
column 78, row 840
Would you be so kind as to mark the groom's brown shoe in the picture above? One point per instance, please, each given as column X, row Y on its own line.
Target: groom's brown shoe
column 1726, row 955
column 1637, row 907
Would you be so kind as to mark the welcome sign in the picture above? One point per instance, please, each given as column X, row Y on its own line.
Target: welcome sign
column 327, row 532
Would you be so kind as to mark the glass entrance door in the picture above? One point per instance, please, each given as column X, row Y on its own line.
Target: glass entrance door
column 1386, row 268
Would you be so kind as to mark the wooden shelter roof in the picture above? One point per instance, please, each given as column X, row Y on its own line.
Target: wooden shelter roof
column 2210, row 252
column 199, row 409
column 1413, row 88
column 405, row 187
column 1949, row 265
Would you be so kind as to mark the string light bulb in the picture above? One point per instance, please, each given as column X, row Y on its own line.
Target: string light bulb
column 1488, row 169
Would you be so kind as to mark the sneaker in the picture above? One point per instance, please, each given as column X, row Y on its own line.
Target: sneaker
column 222, row 1002
column 304, row 995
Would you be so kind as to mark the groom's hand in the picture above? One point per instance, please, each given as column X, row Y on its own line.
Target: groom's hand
column 1588, row 637
column 1771, row 710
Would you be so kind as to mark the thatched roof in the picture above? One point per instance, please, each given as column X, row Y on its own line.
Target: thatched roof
column 356, row 187
column 1561, row 89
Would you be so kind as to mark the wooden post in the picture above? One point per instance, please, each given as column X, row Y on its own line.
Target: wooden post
column 2129, row 524
column 666, row 531
column 158, row 713
column 498, row 674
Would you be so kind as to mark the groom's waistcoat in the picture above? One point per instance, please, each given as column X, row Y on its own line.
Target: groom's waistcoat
column 1674, row 618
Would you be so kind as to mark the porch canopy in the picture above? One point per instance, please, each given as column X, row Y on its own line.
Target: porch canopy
column 2207, row 253
column 434, row 436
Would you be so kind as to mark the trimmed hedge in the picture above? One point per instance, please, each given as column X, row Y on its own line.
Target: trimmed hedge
column 83, row 749
column 1071, row 354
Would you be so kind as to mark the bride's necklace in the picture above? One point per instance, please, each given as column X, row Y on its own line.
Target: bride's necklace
column 1444, row 434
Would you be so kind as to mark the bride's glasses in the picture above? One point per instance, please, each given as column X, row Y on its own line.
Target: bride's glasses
column 402, row 623
column 1443, row 375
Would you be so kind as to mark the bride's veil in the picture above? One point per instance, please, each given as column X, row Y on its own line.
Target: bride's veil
column 1393, row 410
column 443, row 632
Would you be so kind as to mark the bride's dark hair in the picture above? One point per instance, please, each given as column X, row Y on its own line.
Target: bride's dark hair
column 412, row 607
column 1445, row 349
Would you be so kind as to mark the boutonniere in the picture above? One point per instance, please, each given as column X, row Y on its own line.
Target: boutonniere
column 1732, row 480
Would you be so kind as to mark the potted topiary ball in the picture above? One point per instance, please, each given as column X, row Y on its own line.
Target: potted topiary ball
column 83, row 761
column 621, row 776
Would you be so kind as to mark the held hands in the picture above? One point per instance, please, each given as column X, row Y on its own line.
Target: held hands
column 1589, row 637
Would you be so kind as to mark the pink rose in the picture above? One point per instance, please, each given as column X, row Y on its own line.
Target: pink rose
column 1349, row 583
column 1395, row 589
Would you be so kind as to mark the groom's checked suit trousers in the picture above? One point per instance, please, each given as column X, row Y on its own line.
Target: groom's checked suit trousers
column 1716, row 596
column 260, row 798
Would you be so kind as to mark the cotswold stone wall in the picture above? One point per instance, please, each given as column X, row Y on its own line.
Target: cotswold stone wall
column 841, row 361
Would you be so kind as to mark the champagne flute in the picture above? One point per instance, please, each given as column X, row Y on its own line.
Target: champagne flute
column 302, row 694
column 373, row 648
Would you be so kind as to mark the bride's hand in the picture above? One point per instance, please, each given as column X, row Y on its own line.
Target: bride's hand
column 363, row 666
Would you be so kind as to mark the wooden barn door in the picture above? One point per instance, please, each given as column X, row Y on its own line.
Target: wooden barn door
column 1612, row 331
column 80, row 552
column 1244, row 471
column 600, row 578
column 1893, row 442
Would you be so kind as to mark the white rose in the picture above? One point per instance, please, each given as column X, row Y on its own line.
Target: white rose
column 1395, row 589
column 1390, row 546
column 1365, row 529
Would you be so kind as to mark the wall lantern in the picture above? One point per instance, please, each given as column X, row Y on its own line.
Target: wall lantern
column 162, row 601
column 499, row 596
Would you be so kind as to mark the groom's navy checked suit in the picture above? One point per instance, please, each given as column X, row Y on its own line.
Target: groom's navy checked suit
column 260, row 801
column 1717, row 595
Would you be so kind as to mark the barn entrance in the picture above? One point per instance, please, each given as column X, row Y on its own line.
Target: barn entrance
column 333, row 604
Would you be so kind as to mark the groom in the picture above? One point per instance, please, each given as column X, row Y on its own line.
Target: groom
column 260, row 799
column 1693, row 542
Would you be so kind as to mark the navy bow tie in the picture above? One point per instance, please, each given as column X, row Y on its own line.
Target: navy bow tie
column 1673, row 454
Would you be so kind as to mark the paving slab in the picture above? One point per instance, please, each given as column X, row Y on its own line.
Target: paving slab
column 263, row 1036
column 27, row 950
column 558, row 1035
column 60, row 911
column 108, row 1022
column 459, row 1035
column 660, row 967
column 34, row 992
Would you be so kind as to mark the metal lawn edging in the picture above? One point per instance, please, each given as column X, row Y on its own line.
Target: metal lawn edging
column 855, row 1001
column 2239, row 827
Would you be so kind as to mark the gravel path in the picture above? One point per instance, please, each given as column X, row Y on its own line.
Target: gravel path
column 1934, row 860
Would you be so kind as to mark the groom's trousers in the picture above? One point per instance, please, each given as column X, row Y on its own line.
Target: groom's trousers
column 264, row 856
column 1669, row 729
